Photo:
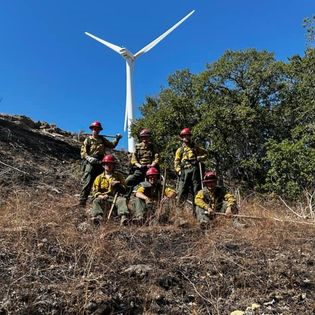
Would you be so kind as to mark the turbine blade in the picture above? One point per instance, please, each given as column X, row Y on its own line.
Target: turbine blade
column 157, row 40
column 104, row 42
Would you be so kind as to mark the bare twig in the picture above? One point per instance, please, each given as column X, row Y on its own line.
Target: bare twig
column 294, row 212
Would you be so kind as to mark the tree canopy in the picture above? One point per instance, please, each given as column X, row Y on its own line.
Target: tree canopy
column 255, row 116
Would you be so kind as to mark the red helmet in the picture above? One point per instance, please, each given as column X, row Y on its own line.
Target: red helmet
column 185, row 132
column 107, row 159
column 209, row 177
column 152, row 171
column 145, row 133
column 96, row 124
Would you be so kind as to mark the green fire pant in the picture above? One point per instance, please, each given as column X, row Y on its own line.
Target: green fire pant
column 142, row 209
column 100, row 206
column 189, row 181
column 203, row 217
column 137, row 177
column 90, row 172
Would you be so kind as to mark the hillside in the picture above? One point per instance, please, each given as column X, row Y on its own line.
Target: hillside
column 52, row 261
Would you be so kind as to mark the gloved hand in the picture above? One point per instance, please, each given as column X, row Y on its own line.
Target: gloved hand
column 210, row 212
column 92, row 160
column 103, row 196
column 118, row 136
column 148, row 201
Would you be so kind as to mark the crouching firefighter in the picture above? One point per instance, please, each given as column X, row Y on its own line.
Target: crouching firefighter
column 108, row 188
column 153, row 199
column 92, row 151
column 213, row 199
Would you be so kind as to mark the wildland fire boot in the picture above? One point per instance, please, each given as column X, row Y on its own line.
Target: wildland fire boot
column 97, row 220
column 123, row 220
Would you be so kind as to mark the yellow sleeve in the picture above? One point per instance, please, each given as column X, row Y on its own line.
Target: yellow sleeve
column 84, row 152
column 95, row 187
column 177, row 160
column 140, row 189
column 134, row 159
column 156, row 159
column 169, row 192
column 199, row 200
column 230, row 199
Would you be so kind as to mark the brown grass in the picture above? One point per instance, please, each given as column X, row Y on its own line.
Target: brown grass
column 50, row 266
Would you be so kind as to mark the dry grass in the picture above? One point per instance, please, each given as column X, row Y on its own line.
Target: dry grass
column 51, row 267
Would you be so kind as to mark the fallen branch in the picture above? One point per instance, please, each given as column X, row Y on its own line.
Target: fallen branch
column 14, row 168
column 263, row 218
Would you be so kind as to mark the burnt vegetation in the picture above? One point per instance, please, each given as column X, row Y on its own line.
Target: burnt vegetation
column 53, row 262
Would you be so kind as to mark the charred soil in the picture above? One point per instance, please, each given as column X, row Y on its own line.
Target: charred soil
column 53, row 261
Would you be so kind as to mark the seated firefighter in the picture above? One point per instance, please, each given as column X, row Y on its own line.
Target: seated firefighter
column 108, row 188
column 144, row 157
column 150, row 198
column 92, row 151
column 212, row 199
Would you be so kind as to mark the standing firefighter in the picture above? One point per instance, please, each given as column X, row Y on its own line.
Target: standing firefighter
column 144, row 157
column 186, row 163
column 150, row 197
column 92, row 151
column 105, row 188
column 212, row 199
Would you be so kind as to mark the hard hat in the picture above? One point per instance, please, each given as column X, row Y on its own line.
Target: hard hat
column 96, row 124
column 107, row 159
column 152, row 171
column 185, row 132
column 145, row 133
column 209, row 177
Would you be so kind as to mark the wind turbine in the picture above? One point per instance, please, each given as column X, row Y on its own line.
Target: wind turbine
column 130, row 60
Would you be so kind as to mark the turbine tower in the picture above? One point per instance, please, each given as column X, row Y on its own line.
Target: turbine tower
column 130, row 60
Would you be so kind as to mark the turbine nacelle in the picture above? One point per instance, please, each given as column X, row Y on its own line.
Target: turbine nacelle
column 127, row 54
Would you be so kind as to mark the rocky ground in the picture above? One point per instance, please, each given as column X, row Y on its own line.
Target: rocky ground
column 52, row 261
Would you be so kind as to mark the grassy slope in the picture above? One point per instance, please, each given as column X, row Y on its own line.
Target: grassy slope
column 48, row 265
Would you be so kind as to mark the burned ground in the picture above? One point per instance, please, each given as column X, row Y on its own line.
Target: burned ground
column 52, row 261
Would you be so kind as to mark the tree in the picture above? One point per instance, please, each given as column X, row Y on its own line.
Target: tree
column 245, row 108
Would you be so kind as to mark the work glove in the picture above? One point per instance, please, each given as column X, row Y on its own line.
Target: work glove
column 103, row 196
column 148, row 202
column 92, row 160
column 210, row 212
column 118, row 136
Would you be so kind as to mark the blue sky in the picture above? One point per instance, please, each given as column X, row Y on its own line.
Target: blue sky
column 51, row 71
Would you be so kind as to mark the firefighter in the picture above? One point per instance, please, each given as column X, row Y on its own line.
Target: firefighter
column 144, row 157
column 105, row 186
column 187, row 165
column 151, row 198
column 212, row 199
column 92, row 151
